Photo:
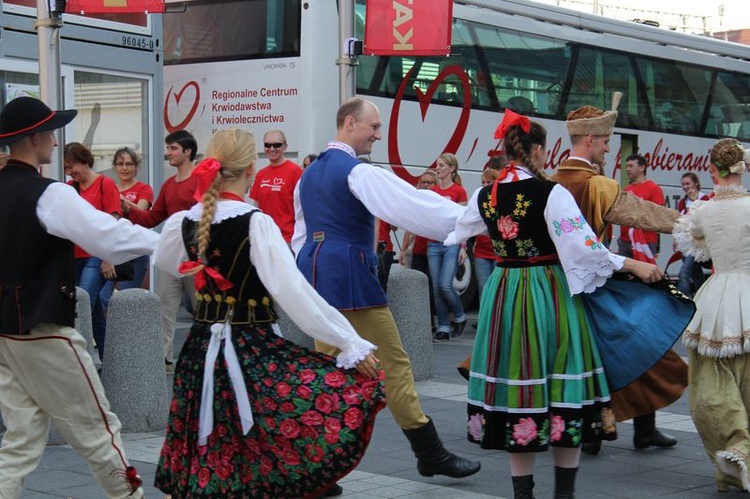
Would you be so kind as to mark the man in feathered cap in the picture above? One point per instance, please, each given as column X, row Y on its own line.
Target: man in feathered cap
column 603, row 202
column 46, row 373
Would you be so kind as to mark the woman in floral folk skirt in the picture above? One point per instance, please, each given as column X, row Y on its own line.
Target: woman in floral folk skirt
column 536, row 377
column 254, row 415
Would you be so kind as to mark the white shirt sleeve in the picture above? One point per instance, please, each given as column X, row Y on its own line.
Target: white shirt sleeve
column 277, row 270
column 170, row 252
column 469, row 224
column 65, row 214
column 397, row 202
column 586, row 262
column 300, row 229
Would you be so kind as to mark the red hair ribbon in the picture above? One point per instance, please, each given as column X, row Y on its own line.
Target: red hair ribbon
column 205, row 172
column 510, row 119
column 201, row 271
column 508, row 170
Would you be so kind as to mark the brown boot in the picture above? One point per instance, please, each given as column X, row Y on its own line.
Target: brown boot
column 464, row 368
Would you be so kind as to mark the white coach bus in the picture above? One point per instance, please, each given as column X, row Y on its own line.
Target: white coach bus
column 267, row 64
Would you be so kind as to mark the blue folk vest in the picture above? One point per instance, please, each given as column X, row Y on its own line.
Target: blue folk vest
column 338, row 257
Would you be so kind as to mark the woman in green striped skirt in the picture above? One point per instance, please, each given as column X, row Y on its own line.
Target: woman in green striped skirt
column 536, row 376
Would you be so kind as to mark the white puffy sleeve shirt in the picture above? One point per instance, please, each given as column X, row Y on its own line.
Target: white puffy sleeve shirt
column 277, row 270
column 65, row 214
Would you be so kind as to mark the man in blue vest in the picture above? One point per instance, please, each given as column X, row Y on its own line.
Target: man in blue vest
column 45, row 371
column 335, row 201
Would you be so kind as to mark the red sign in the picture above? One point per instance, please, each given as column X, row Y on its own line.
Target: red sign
column 408, row 27
column 113, row 6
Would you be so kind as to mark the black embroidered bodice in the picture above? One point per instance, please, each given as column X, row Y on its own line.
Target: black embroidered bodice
column 516, row 225
column 228, row 252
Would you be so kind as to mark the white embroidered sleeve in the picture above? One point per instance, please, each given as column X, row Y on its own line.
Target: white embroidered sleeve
column 586, row 262
column 469, row 224
column 277, row 270
column 688, row 235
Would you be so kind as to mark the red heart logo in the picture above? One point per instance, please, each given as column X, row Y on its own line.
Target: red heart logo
column 177, row 96
column 394, row 158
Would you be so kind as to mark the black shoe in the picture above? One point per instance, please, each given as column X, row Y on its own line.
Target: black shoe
column 475, row 325
column 655, row 439
column 441, row 337
column 592, row 448
column 457, row 328
column 335, row 490
column 433, row 458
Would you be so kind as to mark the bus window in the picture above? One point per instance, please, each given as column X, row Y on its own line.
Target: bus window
column 232, row 30
column 677, row 94
column 524, row 68
column 731, row 106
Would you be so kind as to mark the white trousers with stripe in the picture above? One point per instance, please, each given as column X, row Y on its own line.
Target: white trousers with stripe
column 49, row 376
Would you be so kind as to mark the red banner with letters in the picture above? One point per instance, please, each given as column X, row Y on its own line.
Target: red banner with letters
column 114, row 6
column 408, row 27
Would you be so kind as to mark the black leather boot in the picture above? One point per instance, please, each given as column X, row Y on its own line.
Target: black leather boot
column 433, row 458
column 647, row 435
column 565, row 482
column 523, row 487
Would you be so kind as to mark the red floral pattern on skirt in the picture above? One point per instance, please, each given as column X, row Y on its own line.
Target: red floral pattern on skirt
column 313, row 421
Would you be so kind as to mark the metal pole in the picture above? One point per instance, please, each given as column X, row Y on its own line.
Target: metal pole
column 48, row 26
column 345, row 62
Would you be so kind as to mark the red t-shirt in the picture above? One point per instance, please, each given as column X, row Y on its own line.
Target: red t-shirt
column 649, row 191
column 384, row 234
column 420, row 246
column 273, row 191
column 483, row 247
column 173, row 197
column 137, row 192
column 103, row 195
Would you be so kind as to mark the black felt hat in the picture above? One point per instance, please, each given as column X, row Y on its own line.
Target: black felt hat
column 26, row 115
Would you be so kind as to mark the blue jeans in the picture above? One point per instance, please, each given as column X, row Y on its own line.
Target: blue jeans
column 90, row 278
column 140, row 265
column 483, row 268
column 443, row 262
column 690, row 272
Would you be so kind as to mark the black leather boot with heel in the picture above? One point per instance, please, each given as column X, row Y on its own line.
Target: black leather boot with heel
column 433, row 458
column 647, row 434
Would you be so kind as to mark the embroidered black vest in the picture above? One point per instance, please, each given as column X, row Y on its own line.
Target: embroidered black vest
column 37, row 276
column 229, row 253
column 516, row 225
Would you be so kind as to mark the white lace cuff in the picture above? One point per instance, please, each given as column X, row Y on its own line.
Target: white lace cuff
column 687, row 242
column 586, row 280
column 354, row 354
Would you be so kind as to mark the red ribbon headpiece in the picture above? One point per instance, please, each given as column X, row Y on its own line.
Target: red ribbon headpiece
column 511, row 118
column 205, row 172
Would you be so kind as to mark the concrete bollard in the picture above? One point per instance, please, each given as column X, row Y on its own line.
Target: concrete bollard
column 409, row 300
column 133, row 370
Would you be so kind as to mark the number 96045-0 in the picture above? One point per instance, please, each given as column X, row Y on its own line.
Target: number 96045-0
column 137, row 42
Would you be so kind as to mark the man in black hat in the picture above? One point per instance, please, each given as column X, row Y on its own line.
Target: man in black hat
column 46, row 373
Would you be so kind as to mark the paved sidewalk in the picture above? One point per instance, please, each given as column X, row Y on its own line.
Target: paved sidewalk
column 388, row 469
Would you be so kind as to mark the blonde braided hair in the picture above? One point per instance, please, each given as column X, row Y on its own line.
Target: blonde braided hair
column 236, row 151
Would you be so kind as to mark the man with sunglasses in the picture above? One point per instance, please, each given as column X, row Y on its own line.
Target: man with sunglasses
column 273, row 190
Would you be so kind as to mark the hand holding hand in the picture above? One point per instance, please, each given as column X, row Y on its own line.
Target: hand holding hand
column 462, row 255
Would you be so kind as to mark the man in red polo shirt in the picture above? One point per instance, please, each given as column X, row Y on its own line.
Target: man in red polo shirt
column 646, row 189
column 273, row 190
